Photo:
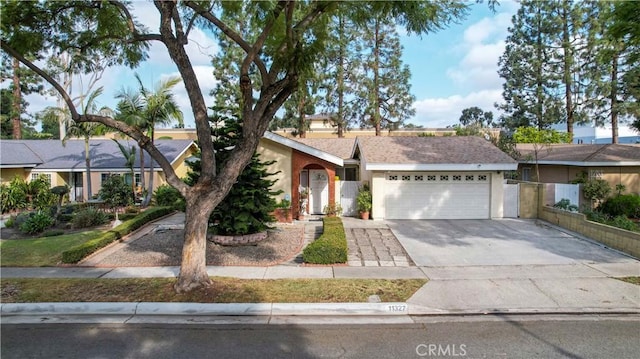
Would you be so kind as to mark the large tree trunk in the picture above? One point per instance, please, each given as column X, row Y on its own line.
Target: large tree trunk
column 568, row 60
column 193, row 269
column 17, row 99
column 142, row 180
column 376, row 89
column 147, row 198
column 614, row 99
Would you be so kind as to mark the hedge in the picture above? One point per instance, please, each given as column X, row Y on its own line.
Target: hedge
column 78, row 252
column 331, row 247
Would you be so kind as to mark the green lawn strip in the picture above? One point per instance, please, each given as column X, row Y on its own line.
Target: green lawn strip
column 40, row 252
column 69, row 248
column 223, row 290
column 632, row 280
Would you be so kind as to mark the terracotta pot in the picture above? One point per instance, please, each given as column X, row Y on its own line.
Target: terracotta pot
column 364, row 215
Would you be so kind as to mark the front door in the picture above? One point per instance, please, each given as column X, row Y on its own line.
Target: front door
column 77, row 186
column 319, row 186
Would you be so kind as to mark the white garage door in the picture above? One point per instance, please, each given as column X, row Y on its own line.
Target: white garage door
column 455, row 195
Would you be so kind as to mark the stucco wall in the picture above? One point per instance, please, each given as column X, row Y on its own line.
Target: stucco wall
column 273, row 151
column 377, row 191
column 628, row 176
column 7, row 174
column 497, row 195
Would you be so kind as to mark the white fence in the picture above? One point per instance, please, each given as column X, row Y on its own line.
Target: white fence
column 346, row 193
column 567, row 191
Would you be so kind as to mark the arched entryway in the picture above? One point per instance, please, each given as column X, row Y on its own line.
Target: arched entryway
column 315, row 177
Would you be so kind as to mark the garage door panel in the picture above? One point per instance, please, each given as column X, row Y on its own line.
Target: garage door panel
column 446, row 200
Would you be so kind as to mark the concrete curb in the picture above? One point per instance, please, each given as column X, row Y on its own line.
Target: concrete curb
column 416, row 310
column 205, row 309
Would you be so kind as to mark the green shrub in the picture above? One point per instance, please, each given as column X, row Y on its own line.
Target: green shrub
column 10, row 222
column 37, row 223
column 65, row 217
column 565, row 205
column 88, row 217
column 331, row 247
column 596, row 189
column 623, row 205
column 115, row 192
column 126, row 216
column 75, row 254
column 167, row 196
column 624, row 223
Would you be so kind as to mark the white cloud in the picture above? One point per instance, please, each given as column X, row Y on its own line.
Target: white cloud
column 445, row 111
column 483, row 44
column 207, row 82
column 475, row 75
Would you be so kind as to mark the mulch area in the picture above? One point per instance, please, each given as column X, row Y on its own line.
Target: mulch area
column 164, row 248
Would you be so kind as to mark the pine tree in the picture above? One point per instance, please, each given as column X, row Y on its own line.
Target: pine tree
column 340, row 67
column 530, row 89
column 613, row 66
column 248, row 206
column 384, row 91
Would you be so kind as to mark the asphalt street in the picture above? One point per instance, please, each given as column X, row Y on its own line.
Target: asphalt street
column 474, row 337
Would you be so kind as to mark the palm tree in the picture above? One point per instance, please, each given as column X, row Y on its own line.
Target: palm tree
column 148, row 108
column 86, row 130
column 130, row 158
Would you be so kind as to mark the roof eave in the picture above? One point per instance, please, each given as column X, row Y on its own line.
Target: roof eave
column 304, row 148
column 441, row 167
column 586, row 164
column 22, row 165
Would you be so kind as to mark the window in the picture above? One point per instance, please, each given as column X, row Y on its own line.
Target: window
column 350, row 174
column 526, row 174
column 127, row 178
column 595, row 174
column 47, row 176
column 104, row 177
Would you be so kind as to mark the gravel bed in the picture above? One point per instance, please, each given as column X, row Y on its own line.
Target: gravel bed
column 164, row 248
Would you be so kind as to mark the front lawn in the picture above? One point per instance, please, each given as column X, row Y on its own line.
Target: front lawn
column 223, row 290
column 40, row 252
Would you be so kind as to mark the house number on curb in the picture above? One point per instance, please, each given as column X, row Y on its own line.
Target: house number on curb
column 397, row 308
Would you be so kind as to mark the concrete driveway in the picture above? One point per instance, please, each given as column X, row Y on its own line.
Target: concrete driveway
column 449, row 243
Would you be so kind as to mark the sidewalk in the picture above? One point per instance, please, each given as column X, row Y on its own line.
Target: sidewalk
column 586, row 288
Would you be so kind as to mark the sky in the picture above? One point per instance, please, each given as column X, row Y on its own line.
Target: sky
column 451, row 70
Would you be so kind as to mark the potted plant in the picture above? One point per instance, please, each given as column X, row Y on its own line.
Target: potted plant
column 364, row 200
column 332, row 209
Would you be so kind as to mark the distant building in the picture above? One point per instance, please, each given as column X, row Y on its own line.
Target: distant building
column 591, row 134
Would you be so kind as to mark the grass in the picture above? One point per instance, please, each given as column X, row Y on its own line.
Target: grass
column 40, row 252
column 632, row 280
column 223, row 290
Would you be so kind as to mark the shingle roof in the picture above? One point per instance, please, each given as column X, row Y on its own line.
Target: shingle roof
column 431, row 150
column 589, row 153
column 104, row 154
column 340, row 147
column 16, row 154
